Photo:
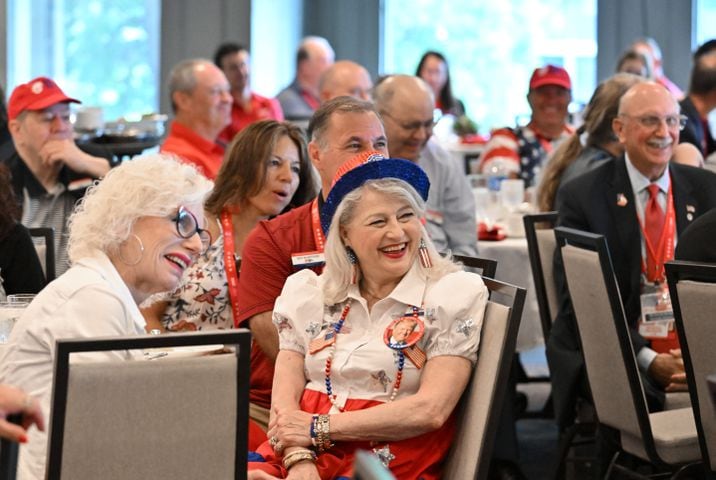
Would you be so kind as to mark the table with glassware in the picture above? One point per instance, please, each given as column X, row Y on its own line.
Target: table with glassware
column 10, row 311
column 502, row 204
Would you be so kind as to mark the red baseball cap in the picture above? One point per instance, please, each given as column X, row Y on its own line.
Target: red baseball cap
column 37, row 94
column 550, row 75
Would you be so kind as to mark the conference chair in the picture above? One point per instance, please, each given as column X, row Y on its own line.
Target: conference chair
column 693, row 297
column 486, row 267
column 667, row 440
column 180, row 417
column 481, row 404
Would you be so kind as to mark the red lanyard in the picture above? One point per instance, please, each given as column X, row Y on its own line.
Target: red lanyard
column 657, row 255
column 318, row 236
column 232, row 276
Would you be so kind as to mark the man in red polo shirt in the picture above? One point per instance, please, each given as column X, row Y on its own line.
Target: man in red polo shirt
column 248, row 107
column 339, row 130
column 201, row 103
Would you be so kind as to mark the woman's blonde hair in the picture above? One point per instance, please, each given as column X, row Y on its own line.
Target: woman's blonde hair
column 338, row 271
column 151, row 185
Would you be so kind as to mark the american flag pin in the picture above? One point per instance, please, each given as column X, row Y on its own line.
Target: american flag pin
column 622, row 200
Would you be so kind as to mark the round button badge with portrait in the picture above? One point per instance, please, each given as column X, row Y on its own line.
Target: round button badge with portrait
column 404, row 332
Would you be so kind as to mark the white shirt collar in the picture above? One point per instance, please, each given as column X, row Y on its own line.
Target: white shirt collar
column 639, row 181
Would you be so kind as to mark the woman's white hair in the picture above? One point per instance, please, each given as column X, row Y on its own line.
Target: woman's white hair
column 151, row 185
column 338, row 271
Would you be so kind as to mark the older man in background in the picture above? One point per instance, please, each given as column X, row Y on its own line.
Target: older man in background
column 406, row 104
column 201, row 103
column 639, row 201
column 248, row 107
column 49, row 171
column 300, row 99
column 345, row 78
column 520, row 152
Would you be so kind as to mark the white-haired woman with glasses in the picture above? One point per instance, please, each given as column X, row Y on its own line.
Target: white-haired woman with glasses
column 132, row 236
column 375, row 352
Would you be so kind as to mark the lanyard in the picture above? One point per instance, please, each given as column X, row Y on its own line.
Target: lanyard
column 318, row 236
column 232, row 276
column 658, row 254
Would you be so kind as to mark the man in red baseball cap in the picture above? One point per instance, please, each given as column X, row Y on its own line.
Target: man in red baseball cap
column 46, row 160
column 519, row 152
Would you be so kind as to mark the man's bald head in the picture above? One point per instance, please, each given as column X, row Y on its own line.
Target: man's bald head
column 345, row 78
column 406, row 104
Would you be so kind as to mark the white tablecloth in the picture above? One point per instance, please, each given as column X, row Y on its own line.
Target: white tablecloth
column 513, row 266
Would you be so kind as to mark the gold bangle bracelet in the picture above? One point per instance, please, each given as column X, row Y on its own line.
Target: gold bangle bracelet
column 298, row 456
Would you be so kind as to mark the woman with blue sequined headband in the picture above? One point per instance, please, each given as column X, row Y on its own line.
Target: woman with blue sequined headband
column 376, row 351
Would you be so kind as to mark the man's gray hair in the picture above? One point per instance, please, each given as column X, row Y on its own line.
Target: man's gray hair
column 182, row 77
column 321, row 118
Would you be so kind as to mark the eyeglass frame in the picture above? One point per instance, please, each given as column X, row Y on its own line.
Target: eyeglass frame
column 647, row 121
column 204, row 235
column 413, row 127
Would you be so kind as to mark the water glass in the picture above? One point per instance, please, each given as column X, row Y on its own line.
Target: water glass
column 9, row 313
column 512, row 193
column 24, row 298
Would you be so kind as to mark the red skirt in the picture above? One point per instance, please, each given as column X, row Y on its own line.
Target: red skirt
column 416, row 458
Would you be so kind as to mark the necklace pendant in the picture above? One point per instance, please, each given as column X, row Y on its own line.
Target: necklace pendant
column 384, row 455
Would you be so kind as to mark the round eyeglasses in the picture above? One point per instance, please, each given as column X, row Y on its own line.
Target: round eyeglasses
column 187, row 226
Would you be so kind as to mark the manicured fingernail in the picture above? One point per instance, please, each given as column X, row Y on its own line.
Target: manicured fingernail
column 22, row 439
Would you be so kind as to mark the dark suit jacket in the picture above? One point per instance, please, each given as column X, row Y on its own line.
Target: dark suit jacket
column 589, row 203
column 693, row 132
column 698, row 243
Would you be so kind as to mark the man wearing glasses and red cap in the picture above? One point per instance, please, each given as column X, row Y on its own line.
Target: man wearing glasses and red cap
column 520, row 152
column 49, row 171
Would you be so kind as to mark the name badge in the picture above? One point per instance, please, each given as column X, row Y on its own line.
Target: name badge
column 308, row 259
column 657, row 314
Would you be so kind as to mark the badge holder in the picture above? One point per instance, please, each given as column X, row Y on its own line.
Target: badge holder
column 657, row 319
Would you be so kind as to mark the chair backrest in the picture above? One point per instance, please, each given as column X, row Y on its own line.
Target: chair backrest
column 541, row 244
column 183, row 417
column 45, row 250
column 693, row 297
column 9, row 451
column 487, row 267
column 606, row 343
column 480, row 405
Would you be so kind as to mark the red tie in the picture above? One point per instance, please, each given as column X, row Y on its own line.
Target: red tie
column 653, row 217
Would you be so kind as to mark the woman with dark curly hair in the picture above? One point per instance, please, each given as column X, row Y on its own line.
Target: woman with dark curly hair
column 20, row 269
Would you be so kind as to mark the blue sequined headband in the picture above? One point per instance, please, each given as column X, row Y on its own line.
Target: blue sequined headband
column 376, row 167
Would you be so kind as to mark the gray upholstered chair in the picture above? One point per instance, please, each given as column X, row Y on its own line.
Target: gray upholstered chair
column 174, row 418
column 541, row 244
column 665, row 439
column 693, row 297
column 480, row 406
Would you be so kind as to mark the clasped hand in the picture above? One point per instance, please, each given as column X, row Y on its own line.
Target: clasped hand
column 668, row 370
column 291, row 427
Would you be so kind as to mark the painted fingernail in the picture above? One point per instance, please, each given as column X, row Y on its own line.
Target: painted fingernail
column 22, row 439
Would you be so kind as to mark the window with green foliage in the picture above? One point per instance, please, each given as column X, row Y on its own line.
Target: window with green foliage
column 105, row 53
column 493, row 47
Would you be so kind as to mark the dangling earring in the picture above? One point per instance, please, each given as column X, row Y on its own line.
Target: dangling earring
column 354, row 264
column 141, row 252
column 424, row 255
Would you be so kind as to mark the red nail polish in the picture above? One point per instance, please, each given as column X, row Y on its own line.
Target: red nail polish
column 22, row 439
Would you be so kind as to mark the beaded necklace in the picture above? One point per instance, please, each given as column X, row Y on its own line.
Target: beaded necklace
column 336, row 330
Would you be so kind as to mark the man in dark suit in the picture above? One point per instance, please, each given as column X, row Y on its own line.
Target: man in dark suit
column 611, row 201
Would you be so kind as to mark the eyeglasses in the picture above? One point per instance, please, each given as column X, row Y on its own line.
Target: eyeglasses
column 653, row 121
column 413, row 127
column 187, row 226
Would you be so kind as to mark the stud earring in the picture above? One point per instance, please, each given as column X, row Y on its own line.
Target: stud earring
column 424, row 255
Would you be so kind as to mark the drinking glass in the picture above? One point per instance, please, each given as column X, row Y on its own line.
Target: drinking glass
column 512, row 193
column 9, row 313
